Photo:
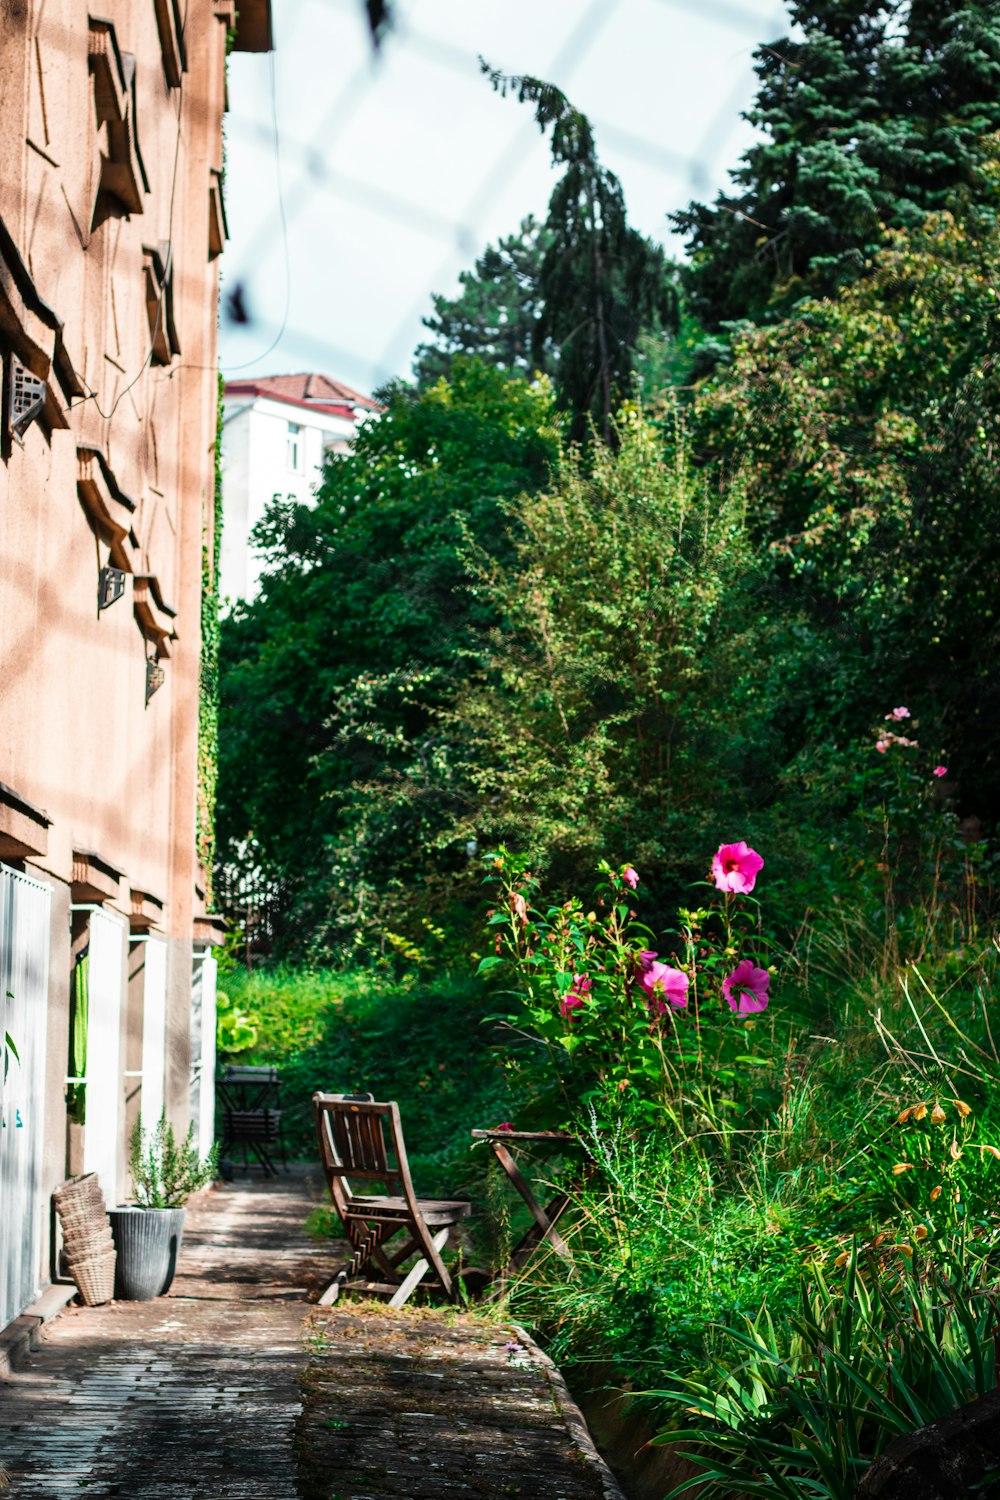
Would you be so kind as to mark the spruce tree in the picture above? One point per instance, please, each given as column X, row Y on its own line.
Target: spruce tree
column 877, row 115
column 601, row 283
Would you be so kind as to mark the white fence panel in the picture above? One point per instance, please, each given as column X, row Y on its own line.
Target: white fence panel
column 204, row 979
column 24, row 978
column 106, row 945
column 154, row 1025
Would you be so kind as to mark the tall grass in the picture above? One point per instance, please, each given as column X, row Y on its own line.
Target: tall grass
column 808, row 1271
column 800, row 1406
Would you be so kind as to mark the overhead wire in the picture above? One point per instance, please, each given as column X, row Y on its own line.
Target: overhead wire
column 462, row 233
column 283, row 220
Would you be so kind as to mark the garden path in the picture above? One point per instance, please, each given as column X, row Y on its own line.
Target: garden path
column 234, row 1387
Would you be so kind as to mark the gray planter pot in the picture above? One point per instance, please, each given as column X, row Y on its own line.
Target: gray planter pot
column 148, row 1242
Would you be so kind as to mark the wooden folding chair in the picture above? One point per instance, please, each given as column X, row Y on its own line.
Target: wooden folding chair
column 363, row 1140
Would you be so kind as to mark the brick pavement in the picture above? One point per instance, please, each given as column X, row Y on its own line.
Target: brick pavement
column 234, row 1388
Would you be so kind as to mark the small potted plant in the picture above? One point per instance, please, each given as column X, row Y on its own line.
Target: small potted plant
column 165, row 1172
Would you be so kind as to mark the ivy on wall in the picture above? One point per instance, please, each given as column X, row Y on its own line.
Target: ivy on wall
column 208, row 682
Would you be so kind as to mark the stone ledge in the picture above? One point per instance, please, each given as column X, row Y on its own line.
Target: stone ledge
column 145, row 911
column 24, row 828
column 110, row 511
column 212, row 929
column 19, row 1338
column 154, row 616
column 573, row 1417
column 94, row 879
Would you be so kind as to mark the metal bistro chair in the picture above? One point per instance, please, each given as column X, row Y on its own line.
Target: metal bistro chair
column 361, row 1139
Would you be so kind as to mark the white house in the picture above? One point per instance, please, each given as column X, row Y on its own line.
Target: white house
column 277, row 431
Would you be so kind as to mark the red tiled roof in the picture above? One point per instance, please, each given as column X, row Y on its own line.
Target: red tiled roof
column 316, row 391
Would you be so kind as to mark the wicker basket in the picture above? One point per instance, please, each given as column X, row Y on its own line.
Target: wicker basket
column 87, row 1243
column 78, row 1194
column 79, row 1229
column 95, row 1278
column 96, row 1241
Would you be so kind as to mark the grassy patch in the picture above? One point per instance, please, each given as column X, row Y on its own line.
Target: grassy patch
column 423, row 1044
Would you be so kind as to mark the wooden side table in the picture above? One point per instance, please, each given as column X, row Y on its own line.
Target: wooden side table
column 503, row 1144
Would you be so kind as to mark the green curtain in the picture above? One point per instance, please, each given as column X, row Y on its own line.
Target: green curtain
column 76, row 1094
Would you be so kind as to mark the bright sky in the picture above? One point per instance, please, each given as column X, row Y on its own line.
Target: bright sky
column 392, row 173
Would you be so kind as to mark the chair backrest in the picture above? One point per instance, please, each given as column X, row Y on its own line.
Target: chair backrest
column 363, row 1139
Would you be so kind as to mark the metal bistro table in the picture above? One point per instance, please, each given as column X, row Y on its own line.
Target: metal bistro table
column 249, row 1107
column 503, row 1144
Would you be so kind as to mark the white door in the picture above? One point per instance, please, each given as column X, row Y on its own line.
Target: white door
column 24, row 996
column 154, row 1021
column 106, row 972
column 203, row 1022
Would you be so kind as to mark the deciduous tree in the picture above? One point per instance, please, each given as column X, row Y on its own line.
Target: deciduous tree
column 365, row 614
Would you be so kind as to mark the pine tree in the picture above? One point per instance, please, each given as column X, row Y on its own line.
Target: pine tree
column 875, row 118
column 495, row 314
column 601, row 283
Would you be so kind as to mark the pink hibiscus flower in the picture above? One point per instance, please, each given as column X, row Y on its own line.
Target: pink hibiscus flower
column 665, row 988
column 576, row 995
column 630, row 877
column 736, row 867
column 745, row 989
column 647, row 957
column 940, row 770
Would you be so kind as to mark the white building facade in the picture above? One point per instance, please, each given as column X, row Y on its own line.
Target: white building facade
column 277, row 432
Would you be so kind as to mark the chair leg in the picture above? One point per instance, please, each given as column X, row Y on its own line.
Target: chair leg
column 415, row 1276
column 331, row 1294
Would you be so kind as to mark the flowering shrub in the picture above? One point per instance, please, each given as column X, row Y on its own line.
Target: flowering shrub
column 886, row 739
column 603, row 1017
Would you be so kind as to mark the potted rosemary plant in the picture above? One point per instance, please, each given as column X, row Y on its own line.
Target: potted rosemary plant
column 165, row 1172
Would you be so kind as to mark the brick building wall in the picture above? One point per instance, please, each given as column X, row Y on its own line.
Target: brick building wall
column 110, row 228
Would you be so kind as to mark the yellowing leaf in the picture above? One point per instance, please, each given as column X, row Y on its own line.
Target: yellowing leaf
column 937, row 1115
column 954, row 1152
column 919, row 1111
column 843, row 1258
column 905, row 1114
column 935, row 1194
column 963, row 1108
column 920, row 1232
column 902, row 1166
